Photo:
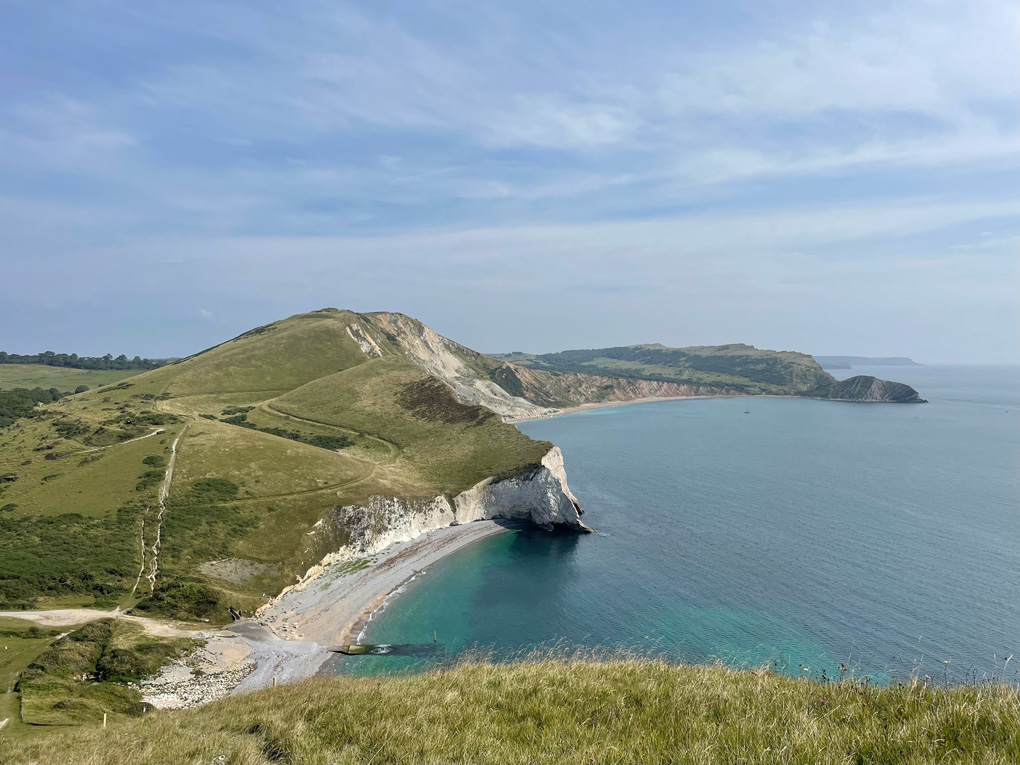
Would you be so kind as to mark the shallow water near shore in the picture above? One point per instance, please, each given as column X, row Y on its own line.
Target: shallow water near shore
column 805, row 534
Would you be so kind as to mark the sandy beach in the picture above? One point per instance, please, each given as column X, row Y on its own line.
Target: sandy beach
column 610, row 404
column 290, row 641
column 292, row 638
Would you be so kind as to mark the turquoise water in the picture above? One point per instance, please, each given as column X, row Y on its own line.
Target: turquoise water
column 805, row 533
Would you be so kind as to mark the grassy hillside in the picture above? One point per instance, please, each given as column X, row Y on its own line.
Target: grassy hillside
column 62, row 378
column 557, row 712
column 440, row 442
column 266, row 433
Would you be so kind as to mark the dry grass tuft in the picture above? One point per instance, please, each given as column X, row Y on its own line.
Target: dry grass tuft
column 565, row 710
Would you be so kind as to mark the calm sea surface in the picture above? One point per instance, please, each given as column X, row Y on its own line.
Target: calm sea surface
column 805, row 533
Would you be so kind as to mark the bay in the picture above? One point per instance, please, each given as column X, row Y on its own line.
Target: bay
column 805, row 535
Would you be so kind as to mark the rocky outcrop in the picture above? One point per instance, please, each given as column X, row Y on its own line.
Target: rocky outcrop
column 447, row 360
column 539, row 494
column 869, row 389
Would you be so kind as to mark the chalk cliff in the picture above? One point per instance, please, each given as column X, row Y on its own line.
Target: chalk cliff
column 456, row 365
column 538, row 494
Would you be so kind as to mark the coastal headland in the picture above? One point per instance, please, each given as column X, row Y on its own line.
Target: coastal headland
column 285, row 482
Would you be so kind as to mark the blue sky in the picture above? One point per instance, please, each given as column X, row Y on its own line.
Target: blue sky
column 826, row 177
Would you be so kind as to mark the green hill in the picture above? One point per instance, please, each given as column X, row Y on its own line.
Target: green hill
column 266, row 434
column 563, row 712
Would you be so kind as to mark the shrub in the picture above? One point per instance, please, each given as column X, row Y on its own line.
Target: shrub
column 184, row 599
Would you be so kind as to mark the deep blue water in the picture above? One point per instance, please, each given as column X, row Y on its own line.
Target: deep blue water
column 805, row 533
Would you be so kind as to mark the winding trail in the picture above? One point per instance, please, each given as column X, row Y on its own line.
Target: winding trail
column 392, row 448
column 142, row 542
column 121, row 443
column 164, row 492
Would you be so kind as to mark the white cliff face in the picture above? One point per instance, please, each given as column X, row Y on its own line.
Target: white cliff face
column 539, row 495
column 388, row 520
column 442, row 358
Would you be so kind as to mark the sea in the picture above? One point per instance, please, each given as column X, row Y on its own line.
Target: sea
column 823, row 539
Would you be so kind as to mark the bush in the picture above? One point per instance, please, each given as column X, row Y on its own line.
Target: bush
column 81, row 389
column 184, row 599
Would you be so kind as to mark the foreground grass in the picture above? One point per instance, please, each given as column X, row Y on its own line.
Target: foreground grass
column 564, row 712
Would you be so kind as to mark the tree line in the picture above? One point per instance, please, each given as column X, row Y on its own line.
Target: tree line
column 74, row 361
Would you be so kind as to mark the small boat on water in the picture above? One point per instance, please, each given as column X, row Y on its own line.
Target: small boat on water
column 747, row 411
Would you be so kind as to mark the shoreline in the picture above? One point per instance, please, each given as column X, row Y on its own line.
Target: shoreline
column 628, row 402
column 653, row 399
column 292, row 639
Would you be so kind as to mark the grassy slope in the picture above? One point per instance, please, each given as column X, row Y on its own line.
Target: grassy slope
column 22, row 642
column 553, row 712
column 82, row 676
column 62, row 378
column 442, row 443
column 304, row 374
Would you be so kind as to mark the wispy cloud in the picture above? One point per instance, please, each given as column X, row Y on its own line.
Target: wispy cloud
column 724, row 153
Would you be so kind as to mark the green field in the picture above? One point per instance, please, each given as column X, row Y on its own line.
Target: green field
column 62, row 378
column 583, row 711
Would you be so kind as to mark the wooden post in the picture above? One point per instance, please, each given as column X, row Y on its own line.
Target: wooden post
column 274, row 681
column 104, row 720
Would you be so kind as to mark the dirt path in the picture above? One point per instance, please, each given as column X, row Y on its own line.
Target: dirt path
column 303, row 492
column 393, row 449
column 129, row 441
column 66, row 617
column 141, row 570
column 164, row 492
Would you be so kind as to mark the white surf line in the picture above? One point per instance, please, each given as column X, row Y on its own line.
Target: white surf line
column 130, row 440
column 164, row 492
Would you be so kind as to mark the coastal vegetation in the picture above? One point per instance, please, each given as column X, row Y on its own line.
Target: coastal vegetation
column 563, row 710
column 74, row 361
column 77, row 678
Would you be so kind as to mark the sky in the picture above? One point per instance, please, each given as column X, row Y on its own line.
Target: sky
column 830, row 177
